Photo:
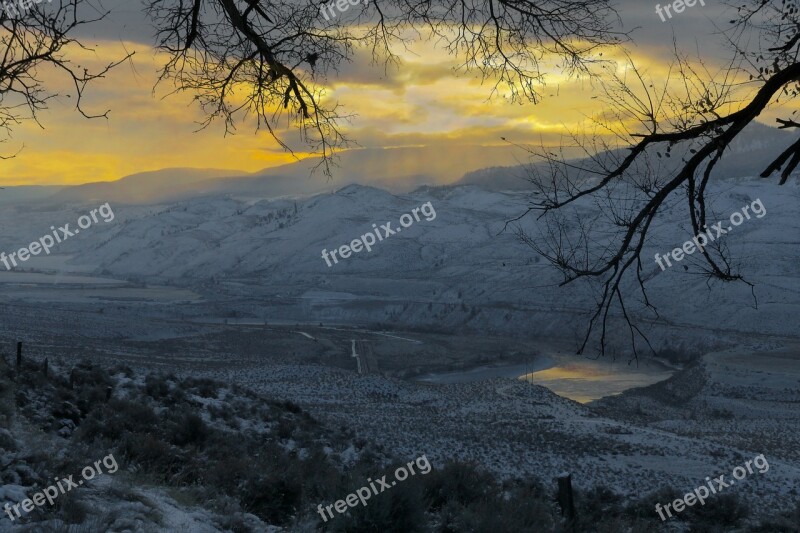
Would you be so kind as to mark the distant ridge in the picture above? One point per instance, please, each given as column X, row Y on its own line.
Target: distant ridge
column 748, row 155
column 395, row 169
column 27, row 193
column 144, row 187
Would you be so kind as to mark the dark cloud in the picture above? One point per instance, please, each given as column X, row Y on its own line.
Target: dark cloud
column 126, row 21
column 694, row 29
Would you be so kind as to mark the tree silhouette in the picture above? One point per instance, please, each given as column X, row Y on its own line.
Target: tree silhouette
column 35, row 40
column 681, row 132
column 271, row 59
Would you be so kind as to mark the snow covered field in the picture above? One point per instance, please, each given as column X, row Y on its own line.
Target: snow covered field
column 457, row 272
column 236, row 290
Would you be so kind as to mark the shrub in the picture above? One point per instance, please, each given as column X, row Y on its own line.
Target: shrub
column 594, row 505
column 226, row 475
column 71, row 508
column 205, row 388
column 720, row 513
column 272, row 498
column 6, row 400
column 157, row 387
column 399, row 510
column 462, row 483
column 86, row 375
column 645, row 507
column 190, row 429
column 7, row 441
column 285, row 428
column 292, row 407
column 119, row 416
column 512, row 515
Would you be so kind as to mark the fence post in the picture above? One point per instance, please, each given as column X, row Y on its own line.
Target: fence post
column 566, row 500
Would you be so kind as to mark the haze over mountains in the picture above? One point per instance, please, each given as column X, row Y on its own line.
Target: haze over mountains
column 268, row 230
column 465, row 272
column 748, row 155
column 398, row 170
column 395, row 169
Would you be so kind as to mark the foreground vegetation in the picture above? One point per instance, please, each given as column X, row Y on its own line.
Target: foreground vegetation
column 250, row 462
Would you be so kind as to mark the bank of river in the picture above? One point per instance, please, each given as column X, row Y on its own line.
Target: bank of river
column 584, row 380
column 481, row 373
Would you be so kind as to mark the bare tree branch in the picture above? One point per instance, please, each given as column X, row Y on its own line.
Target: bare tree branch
column 271, row 59
column 629, row 183
column 37, row 39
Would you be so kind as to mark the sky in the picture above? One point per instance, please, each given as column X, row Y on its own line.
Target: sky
column 419, row 103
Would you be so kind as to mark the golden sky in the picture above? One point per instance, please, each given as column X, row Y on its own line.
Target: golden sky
column 421, row 102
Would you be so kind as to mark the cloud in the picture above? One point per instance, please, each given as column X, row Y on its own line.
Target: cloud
column 419, row 102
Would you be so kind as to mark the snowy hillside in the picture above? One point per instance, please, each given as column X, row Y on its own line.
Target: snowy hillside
column 459, row 270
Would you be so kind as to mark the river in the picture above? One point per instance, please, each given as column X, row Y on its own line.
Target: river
column 579, row 379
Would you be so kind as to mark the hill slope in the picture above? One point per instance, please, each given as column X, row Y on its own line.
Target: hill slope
column 459, row 270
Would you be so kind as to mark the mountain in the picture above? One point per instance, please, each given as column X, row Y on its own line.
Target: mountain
column 145, row 187
column 26, row 193
column 463, row 270
column 398, row 170
column 394, row 169
column 749, row 154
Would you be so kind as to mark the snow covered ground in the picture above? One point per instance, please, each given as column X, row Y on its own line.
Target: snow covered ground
column 195, row 274
column 457, row 272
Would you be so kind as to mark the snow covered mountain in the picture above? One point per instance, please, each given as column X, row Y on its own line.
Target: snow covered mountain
column 395, row 169
column 459, row 270
column 748, row 155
